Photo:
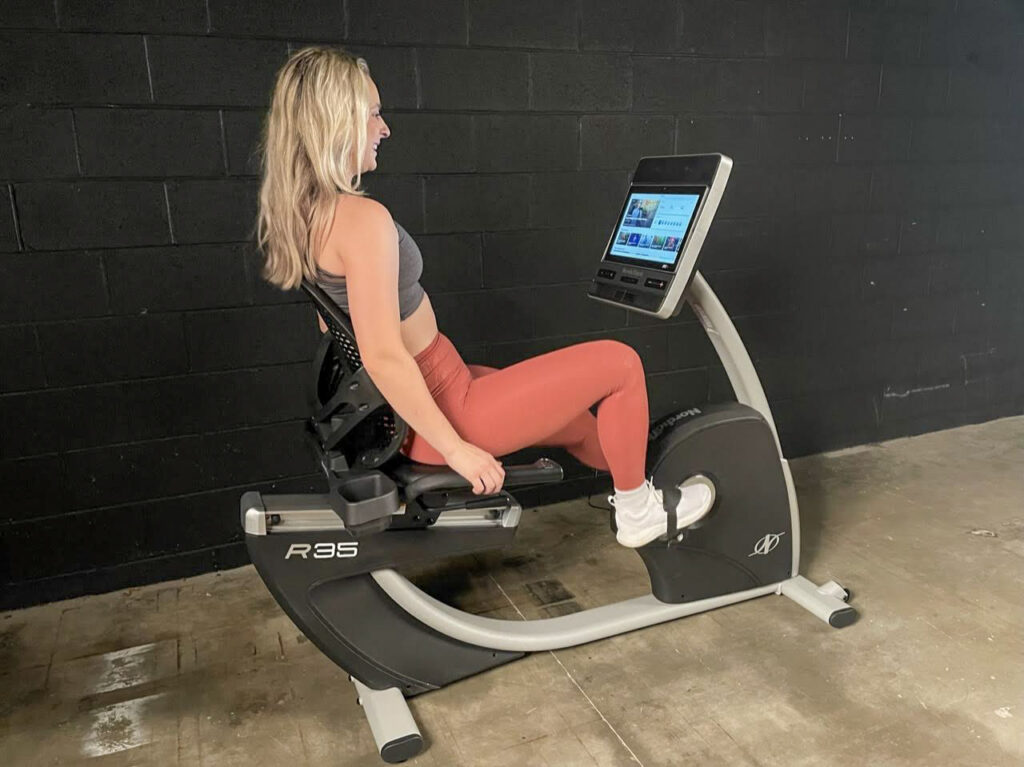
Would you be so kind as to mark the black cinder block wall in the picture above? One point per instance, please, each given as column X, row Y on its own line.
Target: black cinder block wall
column 869, row 247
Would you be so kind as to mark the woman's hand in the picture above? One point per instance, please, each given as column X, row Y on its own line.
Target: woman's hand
column 477, row 466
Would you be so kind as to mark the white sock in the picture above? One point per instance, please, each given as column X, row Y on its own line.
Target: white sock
column 632, row 502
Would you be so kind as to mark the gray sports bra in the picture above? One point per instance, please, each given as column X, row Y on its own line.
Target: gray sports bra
column 410, row 267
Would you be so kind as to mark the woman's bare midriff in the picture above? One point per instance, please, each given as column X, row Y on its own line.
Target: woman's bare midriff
column 418, row 329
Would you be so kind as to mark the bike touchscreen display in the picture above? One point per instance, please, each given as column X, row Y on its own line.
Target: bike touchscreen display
column 654, row 225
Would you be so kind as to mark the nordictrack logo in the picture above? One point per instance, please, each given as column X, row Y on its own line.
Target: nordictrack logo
column 671, row 421
column 766, row 545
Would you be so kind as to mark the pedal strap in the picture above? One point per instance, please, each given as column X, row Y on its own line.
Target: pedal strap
column 670, row 500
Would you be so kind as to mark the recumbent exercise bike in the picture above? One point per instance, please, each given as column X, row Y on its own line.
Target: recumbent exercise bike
column 329, row 559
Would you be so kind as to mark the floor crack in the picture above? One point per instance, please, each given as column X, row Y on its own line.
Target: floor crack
column 572, row 679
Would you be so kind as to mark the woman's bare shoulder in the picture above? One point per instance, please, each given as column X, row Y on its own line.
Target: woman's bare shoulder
column 361, row 226
column 356, row 213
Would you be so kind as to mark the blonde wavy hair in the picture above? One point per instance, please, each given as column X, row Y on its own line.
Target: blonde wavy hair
column 314, row 137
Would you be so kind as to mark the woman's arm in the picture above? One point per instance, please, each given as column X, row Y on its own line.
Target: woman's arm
column 365, row 238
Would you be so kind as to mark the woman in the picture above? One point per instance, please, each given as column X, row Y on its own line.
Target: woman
column 323, row 131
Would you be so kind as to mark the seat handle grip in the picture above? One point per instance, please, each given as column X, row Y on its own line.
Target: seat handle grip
column 541, row 471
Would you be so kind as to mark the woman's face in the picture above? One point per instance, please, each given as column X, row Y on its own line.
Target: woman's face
column 376, row 130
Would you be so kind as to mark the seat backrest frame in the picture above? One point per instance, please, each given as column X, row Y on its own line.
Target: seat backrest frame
column 351, row 416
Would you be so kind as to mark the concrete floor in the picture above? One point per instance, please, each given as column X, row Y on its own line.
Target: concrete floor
column 927, row 532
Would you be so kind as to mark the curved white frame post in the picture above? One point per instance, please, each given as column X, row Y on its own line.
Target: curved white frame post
column 743, row 378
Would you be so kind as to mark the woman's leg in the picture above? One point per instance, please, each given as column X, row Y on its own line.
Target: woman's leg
column 579, row 437
column 549, row 396
column 527, row 403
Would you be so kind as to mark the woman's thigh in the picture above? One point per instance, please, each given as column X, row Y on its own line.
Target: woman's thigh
column 505, row 410
column 580, row 429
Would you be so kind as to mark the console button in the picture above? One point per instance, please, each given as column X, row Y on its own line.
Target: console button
column 629, row 280
column 608, row 274
column 653, row 283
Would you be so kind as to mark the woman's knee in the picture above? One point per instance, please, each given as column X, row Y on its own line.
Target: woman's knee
column 621, row 355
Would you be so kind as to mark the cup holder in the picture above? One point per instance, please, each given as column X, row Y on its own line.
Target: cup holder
column 365, row 501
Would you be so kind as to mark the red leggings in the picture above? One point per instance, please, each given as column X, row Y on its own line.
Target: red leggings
column 544, row 400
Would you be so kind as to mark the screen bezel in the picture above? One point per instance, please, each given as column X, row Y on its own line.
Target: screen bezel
column 698, row 189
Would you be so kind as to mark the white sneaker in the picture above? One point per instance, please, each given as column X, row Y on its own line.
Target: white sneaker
column 635, row 530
